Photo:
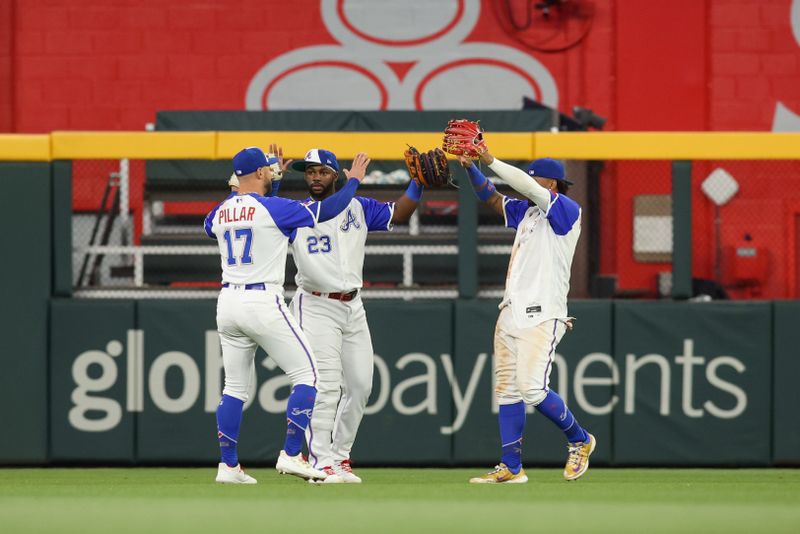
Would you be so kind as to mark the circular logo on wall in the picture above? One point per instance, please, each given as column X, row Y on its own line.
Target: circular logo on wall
column 420, row 64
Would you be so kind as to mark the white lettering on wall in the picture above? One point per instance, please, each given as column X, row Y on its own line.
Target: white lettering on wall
column 158, row 382
column 632, row 365
column 687, row 360
column 737, row 392
column 85, row 384
column 428, row 379
column 96, row 372
column 461, row 401
column 582, row 381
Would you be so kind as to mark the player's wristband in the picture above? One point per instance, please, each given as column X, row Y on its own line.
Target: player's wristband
column 276, row 185
column 481, row 185
column 414, row 191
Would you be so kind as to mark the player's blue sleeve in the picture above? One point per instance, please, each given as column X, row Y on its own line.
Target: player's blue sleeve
column 287, row 214
column 562, row 213
column 209, row 221
column 333, row 205
column 514, row 211
column 481, row 185
column 377, row 215
column 276, row 186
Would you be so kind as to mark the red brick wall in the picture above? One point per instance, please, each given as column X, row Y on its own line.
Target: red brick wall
column 754, row 61
column 677, row 65
column 6, row 62
column 654, row 65
column 93, row 65
column 714, row 65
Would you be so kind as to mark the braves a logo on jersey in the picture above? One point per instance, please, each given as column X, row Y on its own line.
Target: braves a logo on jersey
column 350, row 220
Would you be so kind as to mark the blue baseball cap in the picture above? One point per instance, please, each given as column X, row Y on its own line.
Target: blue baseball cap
column 248, row 160
column 548, row 168
column 317, row 156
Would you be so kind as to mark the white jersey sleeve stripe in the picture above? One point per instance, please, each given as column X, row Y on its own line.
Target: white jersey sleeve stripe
column 553, row 198
column 505, row 211
column 514, row 211
column 314, row 215
column 389, row 224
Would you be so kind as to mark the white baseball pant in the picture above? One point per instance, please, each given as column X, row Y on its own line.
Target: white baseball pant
column 247, row 319
column 524, row 358
column 340, row 338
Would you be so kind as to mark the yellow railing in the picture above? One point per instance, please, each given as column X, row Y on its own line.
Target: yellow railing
column 68, row 145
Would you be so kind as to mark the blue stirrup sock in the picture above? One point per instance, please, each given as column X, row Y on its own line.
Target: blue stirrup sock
column 298, row 414
column 512, row 425
column 229, row 419
column 553, row 408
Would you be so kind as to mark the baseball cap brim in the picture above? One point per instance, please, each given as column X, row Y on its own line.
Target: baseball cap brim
column 301, row 166
column 550, row 178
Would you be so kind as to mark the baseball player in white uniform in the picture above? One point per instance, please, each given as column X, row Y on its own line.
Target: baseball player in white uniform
column 327, row 305
column 253, row 231
column 533, row 313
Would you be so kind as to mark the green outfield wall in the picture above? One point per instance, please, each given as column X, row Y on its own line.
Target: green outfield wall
column 785, row 377
column 25, row 281
column 658, row 383
column 137, row 382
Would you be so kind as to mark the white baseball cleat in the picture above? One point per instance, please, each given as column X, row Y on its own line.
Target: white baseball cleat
column 344, row 471
column 298, row 466
column 332, row 477
column 233, row 475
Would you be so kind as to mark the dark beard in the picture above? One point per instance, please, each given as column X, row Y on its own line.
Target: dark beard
column 328, row 191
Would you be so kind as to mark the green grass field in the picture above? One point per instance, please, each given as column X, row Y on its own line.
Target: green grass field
column 400, row 500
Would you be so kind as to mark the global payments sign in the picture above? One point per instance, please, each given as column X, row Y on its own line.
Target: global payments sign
column 141, row 382
column 96, row 372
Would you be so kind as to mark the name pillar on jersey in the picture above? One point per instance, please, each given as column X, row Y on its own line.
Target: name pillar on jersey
column 235, row 214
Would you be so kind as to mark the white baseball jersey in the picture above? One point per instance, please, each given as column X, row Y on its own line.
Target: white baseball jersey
column 253, row 236
column 330, row 259
column 330, row 256
column 541, row 258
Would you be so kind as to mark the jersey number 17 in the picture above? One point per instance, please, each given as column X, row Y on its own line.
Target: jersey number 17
column 238, row 234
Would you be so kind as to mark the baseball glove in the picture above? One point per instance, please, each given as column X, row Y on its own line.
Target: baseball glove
column 427, row 168
column 464, row 137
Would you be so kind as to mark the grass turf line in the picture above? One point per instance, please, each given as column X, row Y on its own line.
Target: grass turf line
column 399, row 500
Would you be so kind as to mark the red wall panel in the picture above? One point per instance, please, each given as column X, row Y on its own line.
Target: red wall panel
column 678, row 65
column 6, row 66
column 661, row 68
